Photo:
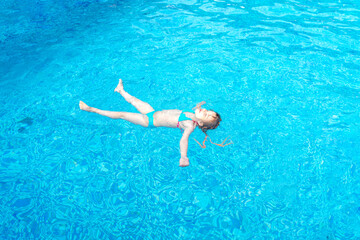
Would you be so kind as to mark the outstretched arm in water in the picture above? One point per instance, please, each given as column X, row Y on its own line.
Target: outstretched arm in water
column 184, row 142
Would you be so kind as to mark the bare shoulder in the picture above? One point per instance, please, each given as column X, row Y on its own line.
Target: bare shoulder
column 188, row 126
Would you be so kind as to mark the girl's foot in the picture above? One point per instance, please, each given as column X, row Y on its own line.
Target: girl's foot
column 119, row 87
column 84, row 107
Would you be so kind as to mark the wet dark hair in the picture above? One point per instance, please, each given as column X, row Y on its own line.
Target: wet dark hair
column 213, row 125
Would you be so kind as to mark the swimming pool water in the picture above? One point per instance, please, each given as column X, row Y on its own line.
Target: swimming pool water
column 284, row 75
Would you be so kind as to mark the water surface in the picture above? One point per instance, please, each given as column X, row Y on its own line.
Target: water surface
column 284, row 75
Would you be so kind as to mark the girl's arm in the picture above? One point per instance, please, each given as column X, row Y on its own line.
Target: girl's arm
column 199, row 105
column 184, row 160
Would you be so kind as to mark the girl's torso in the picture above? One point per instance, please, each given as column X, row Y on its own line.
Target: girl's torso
column 170, row 118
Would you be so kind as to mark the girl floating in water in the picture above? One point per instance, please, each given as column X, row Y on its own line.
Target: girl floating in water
column 186, row 120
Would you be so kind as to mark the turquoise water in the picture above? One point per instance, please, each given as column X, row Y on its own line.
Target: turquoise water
column 284, row 75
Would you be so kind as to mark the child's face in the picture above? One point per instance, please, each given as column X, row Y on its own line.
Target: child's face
column 205, row 116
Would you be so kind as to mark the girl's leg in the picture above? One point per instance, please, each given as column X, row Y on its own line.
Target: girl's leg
column 136, row 118
column 141, row 106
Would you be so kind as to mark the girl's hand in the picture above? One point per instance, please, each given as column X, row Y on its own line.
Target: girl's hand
column 184, row 162
column 199, row 105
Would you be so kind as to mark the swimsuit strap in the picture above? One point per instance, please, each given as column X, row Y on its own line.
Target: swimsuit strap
column 182, row 130
column 183, row 117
